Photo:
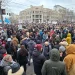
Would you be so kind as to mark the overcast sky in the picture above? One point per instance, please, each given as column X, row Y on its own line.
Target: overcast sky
column 18, row 5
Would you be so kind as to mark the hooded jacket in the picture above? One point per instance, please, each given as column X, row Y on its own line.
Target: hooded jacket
column 53, row 66
column 68, row 39
column 70, row 59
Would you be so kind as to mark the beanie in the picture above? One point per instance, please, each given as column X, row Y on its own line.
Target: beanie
column 38, row 46
column 62, row 48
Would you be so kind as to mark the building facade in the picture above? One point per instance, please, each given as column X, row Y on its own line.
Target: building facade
column 37, row 14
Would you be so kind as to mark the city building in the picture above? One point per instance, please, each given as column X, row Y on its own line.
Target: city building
column 38, row 14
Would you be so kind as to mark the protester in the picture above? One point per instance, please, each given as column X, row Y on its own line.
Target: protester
column 46, row 49
column 62, row 51
column 31, row 46
column 45, row 36
column 8, row 46
column 38, row 59
column 54, row 66
column 69, row 39
column 15, row 41
column 70, row 59
column 22, row 57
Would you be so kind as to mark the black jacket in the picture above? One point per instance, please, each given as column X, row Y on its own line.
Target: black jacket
column 38, row 60
column 22, row 59
column 46, row 50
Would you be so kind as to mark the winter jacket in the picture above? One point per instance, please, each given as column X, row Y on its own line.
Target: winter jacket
column 68, row 39
column 38, row 60
column 25, row 42
column 70, row 59
column 53, row 66
column 31, row 45
column 45, row 36
column 4, row 63
column 22, row 59
column 46, row 50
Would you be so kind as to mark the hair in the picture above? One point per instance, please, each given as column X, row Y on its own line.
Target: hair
column 7, row 57
column 23, row 51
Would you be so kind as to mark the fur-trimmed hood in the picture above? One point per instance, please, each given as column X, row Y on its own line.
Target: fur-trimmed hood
column 19, row 72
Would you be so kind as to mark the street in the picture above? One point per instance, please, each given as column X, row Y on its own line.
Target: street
column 30, row 70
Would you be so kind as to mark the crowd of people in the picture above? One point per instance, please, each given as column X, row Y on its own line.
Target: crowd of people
column 50, row 48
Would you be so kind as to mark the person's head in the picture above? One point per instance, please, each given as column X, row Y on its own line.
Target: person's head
column 8, row 58
column 54, row 55
column 23, row 50
column 62, row 49
column 22, row 46
column 46, row 43
column 38, row 47
column 14, row 36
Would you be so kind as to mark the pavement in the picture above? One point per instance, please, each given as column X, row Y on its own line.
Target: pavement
column 30, row 70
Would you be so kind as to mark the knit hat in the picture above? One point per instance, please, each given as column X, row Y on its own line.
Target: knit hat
column 38, row 46
column 62, row 48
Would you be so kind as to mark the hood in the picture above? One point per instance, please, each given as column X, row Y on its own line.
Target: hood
column 3, row 63
column 68, row 35
column 36, row 53
column 19, row 72
column 70, row 49
column 54, row 55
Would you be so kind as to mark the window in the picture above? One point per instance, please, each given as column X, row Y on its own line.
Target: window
column 37, row 16
column 33, row 11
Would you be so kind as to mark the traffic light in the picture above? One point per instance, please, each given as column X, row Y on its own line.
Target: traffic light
column 3, row 11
